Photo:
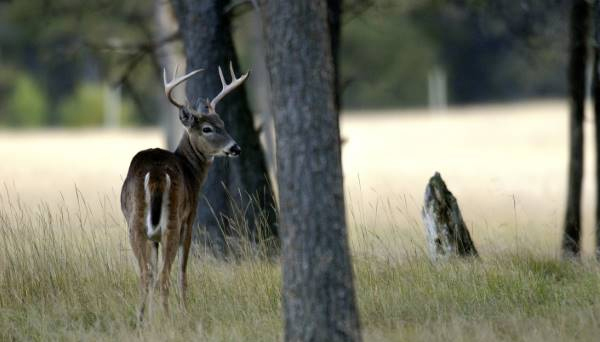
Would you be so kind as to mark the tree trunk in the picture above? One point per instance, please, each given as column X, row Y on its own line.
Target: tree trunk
column 318, row 290
column 334, row 21
column 237, row 196
column 579, row 22
column 596, row 96
column 258, row 87
column 166, row 56
column 447, row 233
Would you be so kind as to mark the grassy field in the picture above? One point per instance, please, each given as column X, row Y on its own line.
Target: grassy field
column 67, row 274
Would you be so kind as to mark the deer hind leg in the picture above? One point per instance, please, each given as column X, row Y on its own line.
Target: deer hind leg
column 145, row 253
column 169, row 243
column 184, row 252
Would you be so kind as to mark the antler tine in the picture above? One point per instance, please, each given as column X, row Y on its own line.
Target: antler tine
column 170, row 86
column 227, row 88
column 231, row 70
column 223, row 83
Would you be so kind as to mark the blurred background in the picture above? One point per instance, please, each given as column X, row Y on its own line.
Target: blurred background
column 72, row 63
column 474, row 89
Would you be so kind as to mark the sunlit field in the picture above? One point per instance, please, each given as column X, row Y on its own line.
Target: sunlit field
column 66, row 271
column 506, row 165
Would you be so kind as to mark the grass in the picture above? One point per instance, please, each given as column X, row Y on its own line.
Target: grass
column 70, row 276
column 67, row 274
column 506, row 298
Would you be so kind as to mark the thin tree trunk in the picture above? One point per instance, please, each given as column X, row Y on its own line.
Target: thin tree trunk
column 258, row 87
column 580, row 13
column 237, row 195
column 166, row 56
column 334, row 20
column 318, row 291
column 596, row 96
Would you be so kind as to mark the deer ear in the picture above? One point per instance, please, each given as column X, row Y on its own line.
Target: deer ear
column 186, row 117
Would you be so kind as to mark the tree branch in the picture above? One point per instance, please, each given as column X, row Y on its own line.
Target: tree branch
column 118, row 46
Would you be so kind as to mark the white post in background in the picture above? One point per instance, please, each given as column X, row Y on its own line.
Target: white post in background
column 437, row 89
column 112, row 106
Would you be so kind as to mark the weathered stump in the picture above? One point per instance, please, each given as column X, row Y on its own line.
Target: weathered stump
column 447, row 234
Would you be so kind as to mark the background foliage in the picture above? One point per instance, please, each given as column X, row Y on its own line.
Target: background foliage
column 53, row 52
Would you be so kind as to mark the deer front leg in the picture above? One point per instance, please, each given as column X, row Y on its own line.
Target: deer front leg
column 170, row 243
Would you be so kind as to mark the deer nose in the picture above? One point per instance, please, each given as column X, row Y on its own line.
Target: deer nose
column 235, row 150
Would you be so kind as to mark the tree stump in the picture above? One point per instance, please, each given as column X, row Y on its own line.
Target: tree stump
column 447, row 234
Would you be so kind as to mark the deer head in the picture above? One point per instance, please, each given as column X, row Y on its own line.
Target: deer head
column 203, row 125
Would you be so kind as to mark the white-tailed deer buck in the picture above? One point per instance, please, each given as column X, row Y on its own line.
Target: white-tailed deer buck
column 160, row 194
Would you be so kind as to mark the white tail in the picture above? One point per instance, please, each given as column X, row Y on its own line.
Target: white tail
column 155, row 229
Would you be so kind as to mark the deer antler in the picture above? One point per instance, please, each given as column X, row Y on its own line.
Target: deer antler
column 170, row 86
column 227, row 88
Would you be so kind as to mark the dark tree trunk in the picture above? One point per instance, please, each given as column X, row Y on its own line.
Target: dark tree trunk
column 237, row 195
column 334, row 20
column 579, row 22
column 318, row 291
column 596, row 96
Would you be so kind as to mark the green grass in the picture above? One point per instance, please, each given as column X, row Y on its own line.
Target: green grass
column 68, row 275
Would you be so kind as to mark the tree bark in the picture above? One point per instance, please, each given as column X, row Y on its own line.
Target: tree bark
column 447, row 233
column 237, row 196
column 579, row 26
column 318, row 291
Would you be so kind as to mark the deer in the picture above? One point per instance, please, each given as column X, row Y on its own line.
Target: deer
column 159, row 196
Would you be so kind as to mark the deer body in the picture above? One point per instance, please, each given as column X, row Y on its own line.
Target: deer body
column 160, row 194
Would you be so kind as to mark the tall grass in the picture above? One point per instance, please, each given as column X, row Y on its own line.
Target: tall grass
column 67, row 274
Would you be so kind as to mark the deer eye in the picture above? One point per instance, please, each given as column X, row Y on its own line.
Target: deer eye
column 207, row 129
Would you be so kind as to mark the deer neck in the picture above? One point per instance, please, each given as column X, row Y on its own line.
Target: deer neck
column 196, row 161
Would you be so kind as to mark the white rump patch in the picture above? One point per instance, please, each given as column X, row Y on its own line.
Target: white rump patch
column 154, row 233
